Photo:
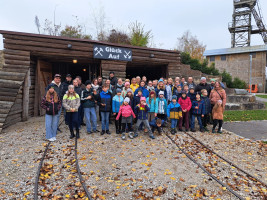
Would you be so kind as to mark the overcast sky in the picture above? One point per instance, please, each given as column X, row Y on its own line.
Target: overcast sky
column 167, row 19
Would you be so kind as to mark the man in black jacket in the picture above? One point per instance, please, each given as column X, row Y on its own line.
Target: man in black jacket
column 113, row 79
column 66, row 84
column 203, row 85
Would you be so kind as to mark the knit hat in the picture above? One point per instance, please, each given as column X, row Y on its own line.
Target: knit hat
column 160, row 80
column 50, row 86
column 161, row 93
column 127, row 83
column 143, row 99
column 118, row 90
column 87, row 83
column 212, row 80
column 152, row 92
column 127, row 100
column 68, row 75
column 174, row 97
column 129, row 90
column 203, row 78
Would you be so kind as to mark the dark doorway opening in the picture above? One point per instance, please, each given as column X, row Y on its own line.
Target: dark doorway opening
column 86, row 71
column 151, row 72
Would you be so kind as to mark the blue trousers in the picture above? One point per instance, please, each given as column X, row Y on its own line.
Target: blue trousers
column 90, row 115
column 51, row 122
column 72, row 119
column 192, row 125
column 174, row 123
column 105, row 120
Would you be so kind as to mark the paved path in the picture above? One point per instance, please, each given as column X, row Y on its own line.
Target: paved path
column 255, row 130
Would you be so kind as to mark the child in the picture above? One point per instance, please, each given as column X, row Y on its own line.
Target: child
column 178, row 92
column 161, row 106
column 192, row 94
column 142, row 110
column 174, row 112
column 126, row 112
column 131, row 97
column 156, row 124
column 137, row 97
column 117, row 101
column 88, row 102
column 186, row 88
column 105, row 104
column 205, row 119
column 126, row 87
column 51, row 103
column 151, row 102
column 185, row 104
column 71, row 102
column 217, row 114
column 198, row 111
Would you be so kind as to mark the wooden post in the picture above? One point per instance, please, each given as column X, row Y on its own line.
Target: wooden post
column 37, row 90
column 25, row 98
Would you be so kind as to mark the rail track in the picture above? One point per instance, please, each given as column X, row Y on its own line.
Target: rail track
column 230, row 176
column 39, row 171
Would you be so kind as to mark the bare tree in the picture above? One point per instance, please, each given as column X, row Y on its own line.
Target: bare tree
column 37, row 23
column 100, row 21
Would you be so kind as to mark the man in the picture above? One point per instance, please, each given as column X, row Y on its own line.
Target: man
column 190, row 82
column 78, row 90
column 119, row 85
column 113, row 79
column 182, row 82
column 99, row 79
column 66, row 84
column 81, row 85
column 138, row 80
column 155, row 83
column 203, row 85
column 212, row 83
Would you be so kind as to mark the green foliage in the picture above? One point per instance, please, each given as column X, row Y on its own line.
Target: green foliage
column 118, row 37
column 74, row 32
column 138, row 36
column 195, row 64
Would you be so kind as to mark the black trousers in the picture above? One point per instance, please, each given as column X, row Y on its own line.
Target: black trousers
column 118, row 122
column 215, row 123
column 159, row 129
column 205, row 120
column 129, row 126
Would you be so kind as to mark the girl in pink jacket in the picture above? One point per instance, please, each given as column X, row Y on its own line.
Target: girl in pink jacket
column 186, row 105
column 127, row 112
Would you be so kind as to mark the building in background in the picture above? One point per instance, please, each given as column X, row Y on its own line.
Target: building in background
column 236, row 61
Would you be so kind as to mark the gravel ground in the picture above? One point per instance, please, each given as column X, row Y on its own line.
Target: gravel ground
column 115, row 169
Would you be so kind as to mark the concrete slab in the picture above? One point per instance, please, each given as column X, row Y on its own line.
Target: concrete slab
column 255, row 130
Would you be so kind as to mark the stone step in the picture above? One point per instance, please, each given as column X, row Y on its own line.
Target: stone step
column 241, row 98
column 245, row 106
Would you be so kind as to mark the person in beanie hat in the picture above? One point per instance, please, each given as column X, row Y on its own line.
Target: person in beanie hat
column 151, row 102
column 126, row 113
column 88, row 102
column 71, row 102
column 198, row 111
column 174, row 112
column 52, row 104
column 125, row 88
column 161, row 87
column 161, row 106
column 185, row 104
column 131, row 97
column 117, row 101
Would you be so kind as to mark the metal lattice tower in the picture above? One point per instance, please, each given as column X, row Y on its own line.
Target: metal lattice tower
column 241, row 26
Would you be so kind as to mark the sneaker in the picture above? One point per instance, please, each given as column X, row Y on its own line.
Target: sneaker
column 152, row 137
column 123, row 137
column 131, row 135
column 180, row 129
column 117, row 132
column 108, row 132
column 193, row 130
column 135, row 135
column 51, row 140
column 219, row 131
column 173, row 132
column 213, row 131
column 202, row 130
column 103, row 132
column 187, row 130
column 89, row 132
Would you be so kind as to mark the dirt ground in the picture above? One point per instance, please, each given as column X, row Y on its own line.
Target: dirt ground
column 115, row 169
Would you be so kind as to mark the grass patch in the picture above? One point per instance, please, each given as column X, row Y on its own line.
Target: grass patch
column 265, row 142
column 262, row 96
column 246, row 115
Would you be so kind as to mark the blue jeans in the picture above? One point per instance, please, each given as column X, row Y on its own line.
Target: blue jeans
column 72, row 119
column 105, row 120
column 51, row 125
column 192, row 125
column 174, row 123
column 90, row 115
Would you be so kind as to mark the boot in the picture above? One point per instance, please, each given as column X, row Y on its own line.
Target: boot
column 77, row 134
column 103, row 132
column 72, row 134
column 152, row 136
column 108, row 132
column 123, row 136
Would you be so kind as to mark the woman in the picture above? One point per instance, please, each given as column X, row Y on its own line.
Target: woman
column 71, row 102
column 218, row 93
column 124, row 90
column 134, row 85
column 51, row 103
column 161, row 87
column 95, row 85
column 169, row 89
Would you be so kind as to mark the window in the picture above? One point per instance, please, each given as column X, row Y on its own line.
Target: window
column 253, row 54
column 212, row 58
column 223, row 57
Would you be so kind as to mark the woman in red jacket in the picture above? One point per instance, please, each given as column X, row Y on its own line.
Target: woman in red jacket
column 186, row 105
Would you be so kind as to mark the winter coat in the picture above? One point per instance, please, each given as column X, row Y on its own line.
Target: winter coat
column 65, row 86
column 214, row 96
column 117, row 87
column 124, row 92
column 78, row 90
column 125, row 111
column 169, row 92
column 153, row 123
column 191, row 84
column 51, row 108
column 58, row 89
column 88, row 103
column 201, row 107
column 207, row 105
column 96, row 87
column 141, row 112
column 113, row 81
column 136, row 101
column 161, row 106
column 104, row 98
column 175, row 92
column 134, row 87
column 151, row 105
column 131, row 103
column 71, row 102
column 185, row 103
column 117, row 101
column 202, row 86
column 192, row 96
column 157, row 90
column 217, row 112
column 145, row 92
column 174, row 111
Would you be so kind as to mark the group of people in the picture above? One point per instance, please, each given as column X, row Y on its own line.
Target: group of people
column 149, row 104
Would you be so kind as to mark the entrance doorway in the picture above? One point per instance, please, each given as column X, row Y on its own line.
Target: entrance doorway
column 151, row 72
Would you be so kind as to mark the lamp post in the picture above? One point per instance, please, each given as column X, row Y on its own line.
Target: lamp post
column 250, row 74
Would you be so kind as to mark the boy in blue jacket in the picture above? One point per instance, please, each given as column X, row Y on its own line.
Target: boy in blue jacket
column 156, row 124
column 174, row 112
column 198, row 111
column 117, row 101
column 206, row 99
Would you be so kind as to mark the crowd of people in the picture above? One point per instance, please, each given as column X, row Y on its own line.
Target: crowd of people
column 147, row 105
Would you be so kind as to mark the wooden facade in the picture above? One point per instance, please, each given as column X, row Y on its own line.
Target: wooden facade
column 27, row 68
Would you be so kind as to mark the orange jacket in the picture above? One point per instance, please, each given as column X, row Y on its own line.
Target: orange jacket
column 214, row 96
column 217, row 112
